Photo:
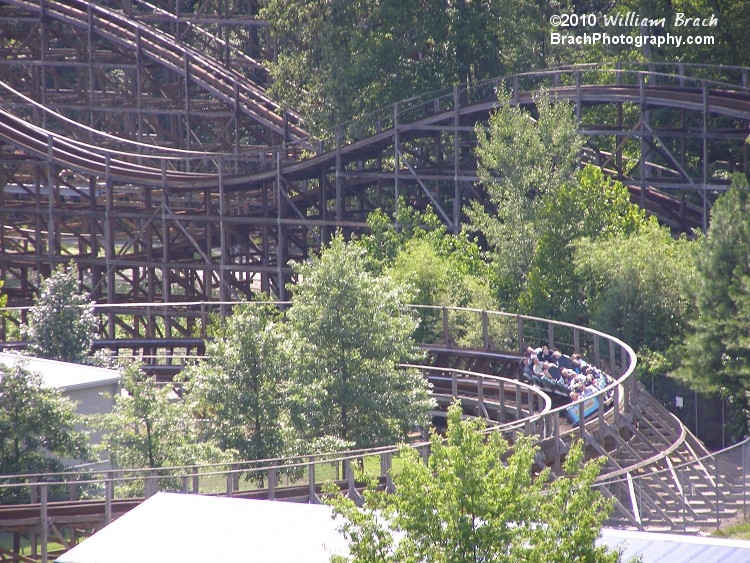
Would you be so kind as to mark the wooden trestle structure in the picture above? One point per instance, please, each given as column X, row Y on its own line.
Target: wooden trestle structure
column 136, row 141
column 659, row 476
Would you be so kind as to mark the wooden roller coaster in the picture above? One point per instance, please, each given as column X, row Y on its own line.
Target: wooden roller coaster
column 169, row 175
column 138, row 142
column 659, row 475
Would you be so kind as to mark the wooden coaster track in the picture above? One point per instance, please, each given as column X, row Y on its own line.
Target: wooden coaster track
column 199, row 188
column 659, row 475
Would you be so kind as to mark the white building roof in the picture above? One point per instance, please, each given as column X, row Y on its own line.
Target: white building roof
column 675, row 548
column 62, row 375
column 191, row 529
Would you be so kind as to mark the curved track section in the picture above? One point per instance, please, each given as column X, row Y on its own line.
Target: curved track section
column 658, row 474
column 158, row 169
column 93, row 32
column 144, row 224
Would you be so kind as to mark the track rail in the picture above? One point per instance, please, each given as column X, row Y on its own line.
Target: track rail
column 224, row 225
column 638, row 439
column 692, row 96
column 508, row 405
column 209, row 74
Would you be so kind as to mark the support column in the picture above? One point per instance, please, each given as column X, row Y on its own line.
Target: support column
column 208, row 244
column 165, row 254
column 338, row 203
column 280, row 242
column 619, row 139
column 578, row 97
column 704, row 139
column 109, row 249
column 151, row 270
column 38, row 227
column 90, row 60
column 643, row 125
column 396, row 162
column 456, row 165
column 44, row 522
column 265, row 281
column 94, row 241
column 51, row 211
column 188, row 126
column 139, row 86
column 223, row 234
column 43, row 40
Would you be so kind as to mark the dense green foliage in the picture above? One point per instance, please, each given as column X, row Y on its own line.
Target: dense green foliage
column 149, row 427
column 590, row 206
column 339, row 59
column 570, row 245
column 62, row 325
column 352, row 333
column 521, row 161
column 241, row 390
column 717, row 350
column 639, row 286
column 470, row 504
column 327, row 376
column 541, row 203
column 37, row 424
column 727, row 46
column 435, row 268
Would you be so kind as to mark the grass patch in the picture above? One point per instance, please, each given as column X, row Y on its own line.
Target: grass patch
column 739, row 531
column 324, row 472
column 6, row 541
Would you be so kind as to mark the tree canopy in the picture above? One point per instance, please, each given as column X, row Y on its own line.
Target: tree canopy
column 435, row 268
column 339, row 59
column 352, row 332
column 37, row 424
column 540, row 204
column 590, row 206
column 324, row 373
column 638, row 286
column 62, row 325
column 476, row 500
column 717, row 349
column 521, row 160
column 242, row 389
column 149, row 427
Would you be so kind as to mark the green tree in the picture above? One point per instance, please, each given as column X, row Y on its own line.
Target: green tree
column 385, row 241
column 352, row 333
column 474, row 503
column 62, row 325
column 436, row 268
column 638, row 286
column 436, row 279
column 242, row 389
column 339, row 59
column 592, row 206
column 37, row 424
column 150, row 427
column 522, row 162
column 540, row 204
column 717, row 350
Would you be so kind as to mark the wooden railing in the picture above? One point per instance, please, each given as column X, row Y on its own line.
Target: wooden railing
column 487, row 395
